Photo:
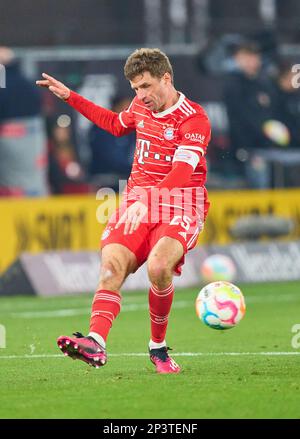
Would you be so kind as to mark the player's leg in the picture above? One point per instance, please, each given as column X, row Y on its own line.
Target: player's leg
column 162, row 260
column 117, row 262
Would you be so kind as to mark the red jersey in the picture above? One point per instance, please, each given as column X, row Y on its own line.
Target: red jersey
column 180, row 133
column 160, row 138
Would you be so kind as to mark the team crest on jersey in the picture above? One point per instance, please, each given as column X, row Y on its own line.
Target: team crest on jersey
column 169, row 133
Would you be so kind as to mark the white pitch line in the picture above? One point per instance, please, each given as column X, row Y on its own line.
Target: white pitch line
column 83, row 311
column 70, row 312
column 179, row 354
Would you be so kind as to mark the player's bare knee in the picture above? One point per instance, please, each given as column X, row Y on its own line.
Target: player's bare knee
column 112, row 275
column 159, row 272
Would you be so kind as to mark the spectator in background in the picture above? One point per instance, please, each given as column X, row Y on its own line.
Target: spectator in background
column 286, row 103
column 248, row 102
column 23, row 144
column 65, row 172
column 284, row 128
column 111, row 157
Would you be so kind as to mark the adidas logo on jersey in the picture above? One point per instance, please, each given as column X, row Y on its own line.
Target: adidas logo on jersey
column 141, row 124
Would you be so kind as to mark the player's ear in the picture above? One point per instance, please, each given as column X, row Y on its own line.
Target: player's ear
column 167, row 77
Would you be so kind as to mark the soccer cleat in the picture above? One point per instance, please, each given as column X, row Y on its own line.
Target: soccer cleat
column 162, row 361
column 83, row 348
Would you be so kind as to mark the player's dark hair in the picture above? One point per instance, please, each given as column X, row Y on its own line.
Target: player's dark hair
column 143, row 60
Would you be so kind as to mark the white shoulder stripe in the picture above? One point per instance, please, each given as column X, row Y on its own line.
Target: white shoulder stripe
column 189, row 106
column 189, row 110
column 183, row 111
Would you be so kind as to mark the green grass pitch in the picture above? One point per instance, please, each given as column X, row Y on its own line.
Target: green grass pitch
column 251, row 371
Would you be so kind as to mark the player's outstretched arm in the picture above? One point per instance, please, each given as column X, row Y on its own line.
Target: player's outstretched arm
column 102, row 117
column 55, row 86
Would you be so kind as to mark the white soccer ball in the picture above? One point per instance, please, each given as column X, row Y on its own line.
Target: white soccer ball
column 220, row 305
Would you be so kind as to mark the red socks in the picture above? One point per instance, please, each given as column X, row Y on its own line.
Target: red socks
column 106, row 307
column 160, row 305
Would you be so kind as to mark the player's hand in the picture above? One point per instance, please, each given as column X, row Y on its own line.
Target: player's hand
column 132, row 217
column 57, row 88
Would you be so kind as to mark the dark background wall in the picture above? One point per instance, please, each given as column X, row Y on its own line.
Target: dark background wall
column 70, row 22
column 96, row 22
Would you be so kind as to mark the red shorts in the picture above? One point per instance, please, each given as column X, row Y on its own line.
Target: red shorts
column 141, row 241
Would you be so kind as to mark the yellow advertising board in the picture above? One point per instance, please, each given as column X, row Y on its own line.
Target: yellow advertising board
column 227, row 206
column 72, row 222
column 34, row 225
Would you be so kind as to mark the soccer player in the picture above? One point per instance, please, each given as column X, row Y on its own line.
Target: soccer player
column 164, row 204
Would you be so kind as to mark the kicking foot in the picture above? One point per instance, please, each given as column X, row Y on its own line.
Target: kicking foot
column 83, row 348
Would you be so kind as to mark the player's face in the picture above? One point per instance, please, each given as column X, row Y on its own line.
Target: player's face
column 151, row 90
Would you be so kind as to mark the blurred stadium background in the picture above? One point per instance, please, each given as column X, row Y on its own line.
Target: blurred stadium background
column 52, row 161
